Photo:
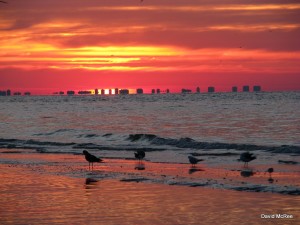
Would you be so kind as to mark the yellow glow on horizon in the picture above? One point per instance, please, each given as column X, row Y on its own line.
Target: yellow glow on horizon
column 57, row 24
column 27, row 47
column 185, row 60
column 17, row 52
column 197, row 8
column 255, row 28
column 105, row 60
column 259, row 7
column 111, row 68
column 121, row 51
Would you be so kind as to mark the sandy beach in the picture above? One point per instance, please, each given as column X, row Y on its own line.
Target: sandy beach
column 188, row 110
column 60, row 189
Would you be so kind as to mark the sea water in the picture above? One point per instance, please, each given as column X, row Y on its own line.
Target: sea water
column 168, row 126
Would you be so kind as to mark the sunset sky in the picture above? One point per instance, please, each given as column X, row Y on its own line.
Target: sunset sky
column 54, row 45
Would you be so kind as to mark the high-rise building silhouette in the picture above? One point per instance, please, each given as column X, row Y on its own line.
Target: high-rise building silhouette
column 2, row 93
column 124, row 92
column 139, row 91
column 96, row 91
column 211, row 89
column 246, row 88
column 153, row 91
column 116, row 91
column 157, row 91
column 183, row 91
column 70, row 92
column 234, row 89
column 256, row 88
column 84, row 92
column 198, row 90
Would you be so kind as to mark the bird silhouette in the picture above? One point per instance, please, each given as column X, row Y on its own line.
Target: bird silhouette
column 139, row 154
column 3, row 2
column 246, row 157
column 270, row 170
column 193, row 160
column 91, row 158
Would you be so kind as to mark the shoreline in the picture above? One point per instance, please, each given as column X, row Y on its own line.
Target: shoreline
column 38, row 193
column 284, row 179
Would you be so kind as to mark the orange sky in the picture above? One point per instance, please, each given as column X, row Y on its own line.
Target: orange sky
column 48, row 46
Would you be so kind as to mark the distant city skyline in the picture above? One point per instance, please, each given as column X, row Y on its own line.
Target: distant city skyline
column 51, row 45
column 116, row 91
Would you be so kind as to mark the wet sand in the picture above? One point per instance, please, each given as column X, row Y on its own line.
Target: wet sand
column 59, row 189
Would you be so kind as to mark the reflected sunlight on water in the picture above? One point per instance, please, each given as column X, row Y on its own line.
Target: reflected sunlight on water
column 31, row 198
column 256, row 118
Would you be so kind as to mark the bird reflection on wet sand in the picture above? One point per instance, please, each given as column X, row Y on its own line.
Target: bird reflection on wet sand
column 247, row 173
column 140, row 166
column 194, row 169
column 90, row 182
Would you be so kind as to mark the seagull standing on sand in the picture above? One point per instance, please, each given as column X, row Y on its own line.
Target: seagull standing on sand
column 193, row 160
column 91, row 158
column 270, row 171
column 139, row 154
column 247, row 157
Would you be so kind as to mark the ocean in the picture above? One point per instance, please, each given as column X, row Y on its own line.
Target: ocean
column 168, row 126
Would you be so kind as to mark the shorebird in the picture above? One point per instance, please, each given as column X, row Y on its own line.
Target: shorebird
column 247, row 157
column 193, row 160
column 270, row 170
column 91, row 158
column 139, row 154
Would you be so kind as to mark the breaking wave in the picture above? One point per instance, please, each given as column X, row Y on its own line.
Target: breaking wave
column 54, row 132
column 192, row 144
column 146, row 142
